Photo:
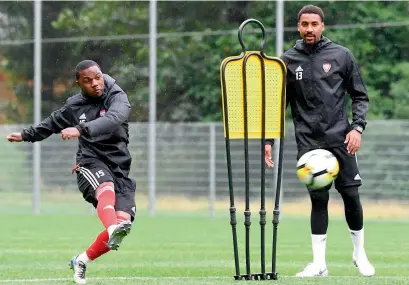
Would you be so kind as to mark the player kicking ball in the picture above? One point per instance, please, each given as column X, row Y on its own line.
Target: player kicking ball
column 98, row 117
column 319, row 73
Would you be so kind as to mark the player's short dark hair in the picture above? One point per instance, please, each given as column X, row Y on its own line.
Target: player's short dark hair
column 84, row 65
column 311, row 9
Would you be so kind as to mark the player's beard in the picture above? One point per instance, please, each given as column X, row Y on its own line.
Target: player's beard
column 310, row 39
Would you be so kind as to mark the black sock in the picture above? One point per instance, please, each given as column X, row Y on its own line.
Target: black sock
column 319, row 212
column 352, row 208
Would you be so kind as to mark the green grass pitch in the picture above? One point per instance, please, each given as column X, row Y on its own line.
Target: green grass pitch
column 190, row 249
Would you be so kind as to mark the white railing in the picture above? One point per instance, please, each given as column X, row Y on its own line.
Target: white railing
column 191, row 163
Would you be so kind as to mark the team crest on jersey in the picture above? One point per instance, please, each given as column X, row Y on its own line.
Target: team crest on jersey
column 326, row 66
column 102, row 112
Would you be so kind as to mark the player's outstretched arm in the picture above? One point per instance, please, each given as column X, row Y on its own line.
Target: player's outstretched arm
column 57, row 121
column 117, row 113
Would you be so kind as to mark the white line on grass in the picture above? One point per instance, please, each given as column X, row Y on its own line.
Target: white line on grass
column 213, row 263
column 109, row 278
column 172, row 278
column 144, row 251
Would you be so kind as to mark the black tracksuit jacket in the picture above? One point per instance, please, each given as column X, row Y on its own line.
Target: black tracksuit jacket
column 102, row 122
column 317, row 81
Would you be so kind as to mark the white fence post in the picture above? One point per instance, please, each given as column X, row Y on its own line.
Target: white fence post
column 37, row 105
column 212, row 168
column 152, row 107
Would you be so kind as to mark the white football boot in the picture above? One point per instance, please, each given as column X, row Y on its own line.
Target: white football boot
column 121, row 231
column 79, row 269
column 363, row 264
column 313, row 270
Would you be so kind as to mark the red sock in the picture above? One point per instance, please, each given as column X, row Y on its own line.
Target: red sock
column 99, row 246
column 105, row 208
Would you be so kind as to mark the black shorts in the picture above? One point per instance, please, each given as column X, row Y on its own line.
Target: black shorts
column 348, row 175
column 92, row 173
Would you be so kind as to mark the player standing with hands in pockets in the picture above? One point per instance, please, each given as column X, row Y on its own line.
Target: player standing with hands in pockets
column 319, row 73
column 98, row 117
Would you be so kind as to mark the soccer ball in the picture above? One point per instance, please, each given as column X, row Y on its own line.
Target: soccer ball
column 317, row 168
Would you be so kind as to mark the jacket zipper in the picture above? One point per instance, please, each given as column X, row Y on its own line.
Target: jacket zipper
column 318, row 119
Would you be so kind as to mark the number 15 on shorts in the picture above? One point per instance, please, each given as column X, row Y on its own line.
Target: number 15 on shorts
column 99, row 173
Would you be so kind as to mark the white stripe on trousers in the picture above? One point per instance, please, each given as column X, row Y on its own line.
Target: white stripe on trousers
column 89, row 176
column 89, row 179
column 356, row 159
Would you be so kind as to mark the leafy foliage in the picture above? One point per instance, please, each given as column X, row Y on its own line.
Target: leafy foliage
column 188, row 85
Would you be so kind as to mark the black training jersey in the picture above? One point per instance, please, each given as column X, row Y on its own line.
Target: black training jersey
column 318, row 79
column 102, row 122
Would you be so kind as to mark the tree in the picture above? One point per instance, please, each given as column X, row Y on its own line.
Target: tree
column 18, row 59
column 188, row 84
